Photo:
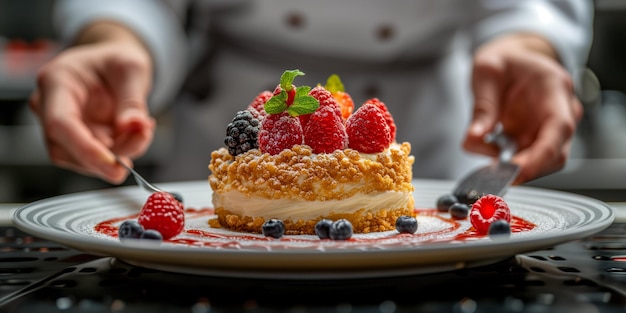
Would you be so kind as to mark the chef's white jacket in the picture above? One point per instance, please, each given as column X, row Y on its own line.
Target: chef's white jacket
column 213, row 57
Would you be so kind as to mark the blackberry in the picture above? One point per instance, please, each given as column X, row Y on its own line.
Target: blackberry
column 242, row 133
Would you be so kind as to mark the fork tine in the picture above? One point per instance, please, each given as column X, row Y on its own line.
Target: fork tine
column 142, row 182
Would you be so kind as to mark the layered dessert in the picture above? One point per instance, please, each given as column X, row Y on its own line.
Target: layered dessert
column 301, row 155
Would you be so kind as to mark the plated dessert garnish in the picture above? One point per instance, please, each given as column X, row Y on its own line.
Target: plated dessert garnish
column 91, row 222
column 161, row 219
column 302, row 155
column 302, row 161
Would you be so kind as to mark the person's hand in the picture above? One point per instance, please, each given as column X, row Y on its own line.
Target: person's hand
column 517, row 80
column 91, row 102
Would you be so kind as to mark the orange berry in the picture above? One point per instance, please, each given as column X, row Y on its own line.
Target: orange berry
column 346, row 105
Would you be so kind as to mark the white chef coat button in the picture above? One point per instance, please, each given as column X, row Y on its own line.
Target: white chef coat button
column 385, row 32
column 295, row 20
column 371, row 91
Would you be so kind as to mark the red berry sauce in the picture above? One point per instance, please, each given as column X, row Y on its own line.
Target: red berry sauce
column 447, row 231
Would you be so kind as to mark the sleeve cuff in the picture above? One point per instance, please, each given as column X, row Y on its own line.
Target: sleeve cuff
column 569, row 29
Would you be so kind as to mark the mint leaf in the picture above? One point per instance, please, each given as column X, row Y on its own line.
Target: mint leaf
column 286, row 80
column 334, row 84
column 276, row 104
column 302, row 91
column 303, row 105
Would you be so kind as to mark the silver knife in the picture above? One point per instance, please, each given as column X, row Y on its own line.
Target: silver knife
column 491, row 179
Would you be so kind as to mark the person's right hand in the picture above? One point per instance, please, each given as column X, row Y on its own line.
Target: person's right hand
column 91, row 102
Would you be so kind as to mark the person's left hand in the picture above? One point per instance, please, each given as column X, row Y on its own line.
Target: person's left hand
column 517, row 80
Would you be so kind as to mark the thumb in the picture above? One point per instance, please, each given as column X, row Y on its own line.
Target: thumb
column 485, row 114
column 130, row 81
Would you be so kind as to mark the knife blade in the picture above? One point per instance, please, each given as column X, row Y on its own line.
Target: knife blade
column 494, row 178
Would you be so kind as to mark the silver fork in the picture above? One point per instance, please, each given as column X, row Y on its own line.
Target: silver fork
column 142, row 182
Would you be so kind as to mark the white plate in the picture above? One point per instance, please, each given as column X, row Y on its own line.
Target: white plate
column 71, row 220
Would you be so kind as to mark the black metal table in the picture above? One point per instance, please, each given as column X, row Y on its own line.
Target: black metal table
column 581, row 276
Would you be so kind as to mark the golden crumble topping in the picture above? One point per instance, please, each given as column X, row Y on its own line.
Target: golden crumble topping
column 298, row 173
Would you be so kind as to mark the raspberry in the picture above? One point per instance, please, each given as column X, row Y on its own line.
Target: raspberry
column 162, row 213
column 388, row 118
column 258, row 103
column 304, row 119
column 367, row 130
column 279, row 132
column 488, row 209
column 325, row 99
column 242, row 133
column 325, row 132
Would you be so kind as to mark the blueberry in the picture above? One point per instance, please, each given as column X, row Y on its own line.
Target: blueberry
column 468, row 196
column 273, row 228
column 340, row 230
column 459, row 211
column 406, row 224
column 444, row 202
column 177, row 196
column 130, row 229
column 322, row 228
column 500, row 229
column 152, row 235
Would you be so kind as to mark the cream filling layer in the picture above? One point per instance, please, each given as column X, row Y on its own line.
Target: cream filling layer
column 295, row 209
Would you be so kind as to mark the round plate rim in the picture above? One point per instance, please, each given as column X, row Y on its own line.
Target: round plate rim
column 103, row 247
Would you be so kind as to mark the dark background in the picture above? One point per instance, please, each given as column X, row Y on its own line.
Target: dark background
column 27, row 39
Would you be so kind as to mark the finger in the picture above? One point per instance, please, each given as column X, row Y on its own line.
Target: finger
column 547, row 155
column 126, row 160
column 104, row 134
column 577, row 108
column 65, row 130
column 33, row 102
column 486, row 86
column 130, row 81
column 135, row 143
column 550, row 149
column 62, row 158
